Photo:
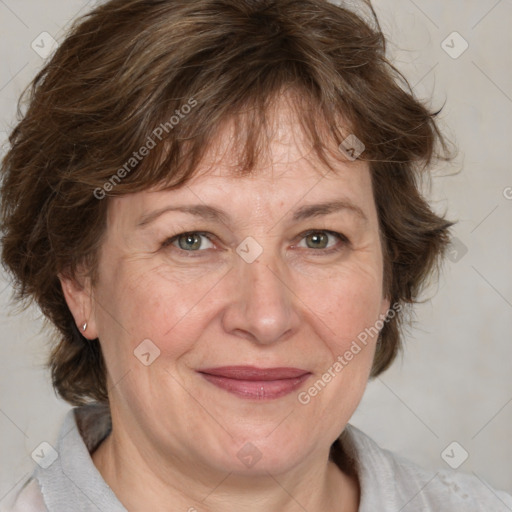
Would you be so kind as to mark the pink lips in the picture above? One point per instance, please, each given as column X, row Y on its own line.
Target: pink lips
column 256, row 383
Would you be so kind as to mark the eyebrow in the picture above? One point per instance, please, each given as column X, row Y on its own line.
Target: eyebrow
column 317, row 210
column 214, row 214
column 199, row 210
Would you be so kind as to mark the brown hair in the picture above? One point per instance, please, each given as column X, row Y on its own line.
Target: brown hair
column 125, row 74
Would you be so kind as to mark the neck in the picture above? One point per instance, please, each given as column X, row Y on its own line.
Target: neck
column 144, row 479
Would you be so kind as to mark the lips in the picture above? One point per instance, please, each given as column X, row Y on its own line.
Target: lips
column 254, row 383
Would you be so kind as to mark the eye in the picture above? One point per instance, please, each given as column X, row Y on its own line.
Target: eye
column 190, row 242
column 323, row 241
column 319, row 239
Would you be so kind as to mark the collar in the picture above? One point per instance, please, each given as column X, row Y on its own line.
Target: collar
column 73, row 482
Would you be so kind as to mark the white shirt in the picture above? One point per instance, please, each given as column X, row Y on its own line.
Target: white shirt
column 388, row 482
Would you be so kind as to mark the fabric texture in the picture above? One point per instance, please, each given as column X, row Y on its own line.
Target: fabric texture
column 389, row 483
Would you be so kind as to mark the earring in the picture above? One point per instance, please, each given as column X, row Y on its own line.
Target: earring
column 84, row 327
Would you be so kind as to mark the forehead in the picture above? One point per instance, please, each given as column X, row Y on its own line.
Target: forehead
column 282, row 196
column 288, row 173
column 282, row 140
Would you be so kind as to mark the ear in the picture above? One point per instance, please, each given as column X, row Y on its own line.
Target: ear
column 79, row 299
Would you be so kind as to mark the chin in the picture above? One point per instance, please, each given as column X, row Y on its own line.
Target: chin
column 261, row 454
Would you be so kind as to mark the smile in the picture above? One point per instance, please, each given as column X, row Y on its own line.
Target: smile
column 256, row 383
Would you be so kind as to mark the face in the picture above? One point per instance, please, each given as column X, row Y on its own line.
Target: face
column 244, row 296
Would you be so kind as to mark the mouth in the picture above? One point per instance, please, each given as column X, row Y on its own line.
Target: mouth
column 254, row 383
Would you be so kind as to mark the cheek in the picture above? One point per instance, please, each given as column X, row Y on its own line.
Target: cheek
column 346, row 305
column 146, row 303
column 345, row 312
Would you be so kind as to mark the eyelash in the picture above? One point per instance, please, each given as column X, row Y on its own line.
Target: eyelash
column 341, row 237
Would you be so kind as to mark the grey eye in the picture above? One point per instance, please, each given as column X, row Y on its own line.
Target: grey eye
column 190, row 242
column 318, row 240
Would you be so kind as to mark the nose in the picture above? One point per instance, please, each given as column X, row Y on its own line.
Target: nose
column 263, row 307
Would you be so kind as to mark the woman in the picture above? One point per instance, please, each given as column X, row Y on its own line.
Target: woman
column 216, row 204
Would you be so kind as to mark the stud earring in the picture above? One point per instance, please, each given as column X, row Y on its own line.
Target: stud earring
column 84, row 327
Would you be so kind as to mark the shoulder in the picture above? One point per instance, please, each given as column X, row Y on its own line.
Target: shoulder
column 444, row 490
column 391, row 482
column 27, row 498
column 49, row 487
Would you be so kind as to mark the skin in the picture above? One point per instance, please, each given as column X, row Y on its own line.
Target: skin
column 175, row 435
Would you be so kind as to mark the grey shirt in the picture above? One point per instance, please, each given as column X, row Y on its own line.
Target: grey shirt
column 67, row 480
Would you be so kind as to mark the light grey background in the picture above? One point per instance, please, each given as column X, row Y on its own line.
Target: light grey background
column 454, row 382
